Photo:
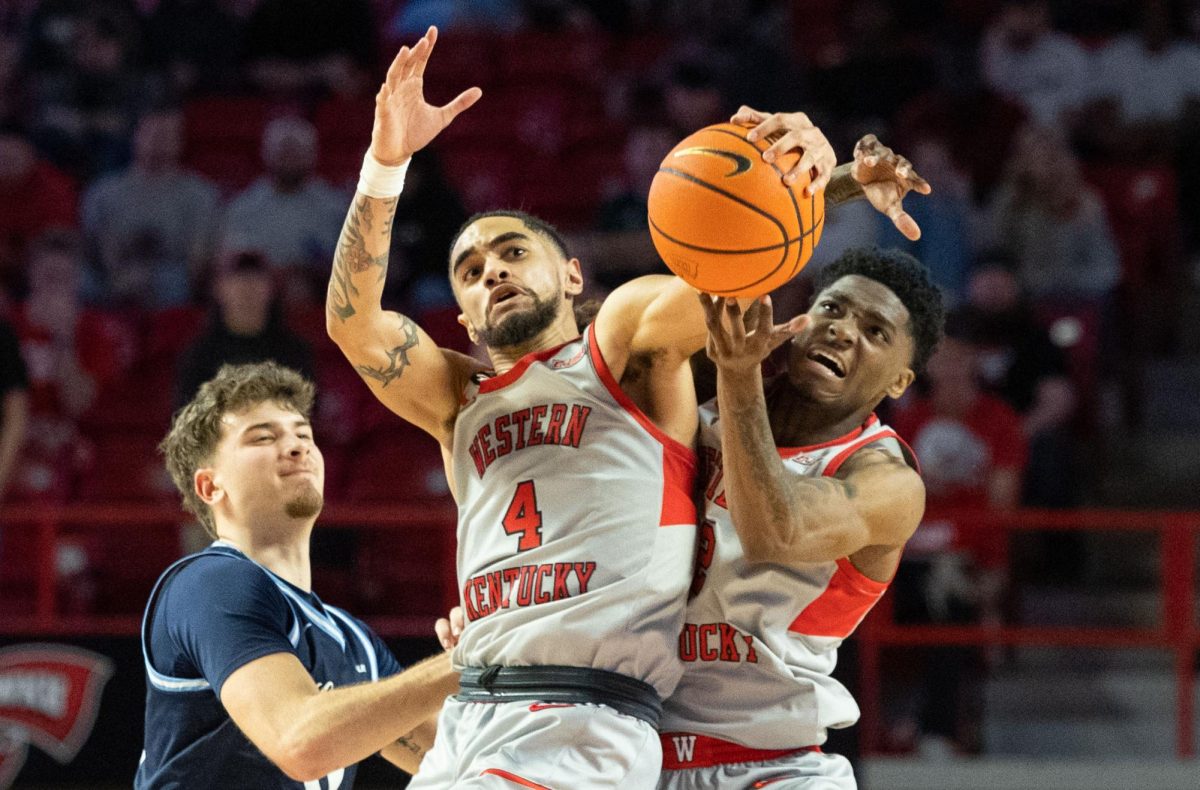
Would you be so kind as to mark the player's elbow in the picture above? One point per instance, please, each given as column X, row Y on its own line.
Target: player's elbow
column 301, row 758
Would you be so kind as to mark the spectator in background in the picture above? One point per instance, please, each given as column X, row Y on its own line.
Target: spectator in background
column 34, row 196
column 620, row 247
column 246, row 325
column 301, row 47
column 84, row 111
column 289, row 215
column 71, row 353
column 946, row 217
column 14, row 404
column 195, row 42
column 1144, row 82
column 428, row 214
column 1019, row 363
column 973, row 455
column 1053, row 223
column 152, row 226
column 1026, row 61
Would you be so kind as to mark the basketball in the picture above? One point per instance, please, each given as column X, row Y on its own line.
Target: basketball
column 723, row 220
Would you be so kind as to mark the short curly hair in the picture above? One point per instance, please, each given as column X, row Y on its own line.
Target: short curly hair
column 196, row 428
column 535, row 224
column 906, row 277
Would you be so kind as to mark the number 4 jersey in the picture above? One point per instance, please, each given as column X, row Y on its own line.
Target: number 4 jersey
column 576, row 525
column 759, row 642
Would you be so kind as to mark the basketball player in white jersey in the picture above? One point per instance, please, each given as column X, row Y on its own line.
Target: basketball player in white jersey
column 571, row 462
column 809, row 501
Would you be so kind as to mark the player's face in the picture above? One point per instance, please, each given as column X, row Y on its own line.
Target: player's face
column 858, row 347
column 511, row 283
column 267, row 465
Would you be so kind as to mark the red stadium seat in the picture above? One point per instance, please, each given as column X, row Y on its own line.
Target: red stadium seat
column 554, row 58
column 1143, row 210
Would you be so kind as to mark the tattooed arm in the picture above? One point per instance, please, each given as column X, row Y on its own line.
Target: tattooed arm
column 406, row 753
column 875, row 499
column 383, row 345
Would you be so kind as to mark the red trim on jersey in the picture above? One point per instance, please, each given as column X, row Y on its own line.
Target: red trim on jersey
column 517, row 370
column 787, row 452
column 842, row 605
column 707, row 752
column 836, row 462
column 679, row 461
column 523, row 782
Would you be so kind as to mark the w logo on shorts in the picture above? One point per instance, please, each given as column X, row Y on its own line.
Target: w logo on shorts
column 685, row 747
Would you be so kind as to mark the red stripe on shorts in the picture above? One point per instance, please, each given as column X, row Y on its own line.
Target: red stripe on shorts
column 687, row 750
column 512, row 778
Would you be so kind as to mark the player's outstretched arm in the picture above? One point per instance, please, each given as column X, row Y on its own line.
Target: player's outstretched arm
column 383, row 345
column 876, row 499
column 310, row 733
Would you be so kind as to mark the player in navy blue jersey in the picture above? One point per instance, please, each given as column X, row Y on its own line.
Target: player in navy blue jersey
column 252, row 681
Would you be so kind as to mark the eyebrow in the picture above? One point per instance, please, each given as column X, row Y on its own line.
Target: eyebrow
column 491, row 245
column 270, row 426
column 870, row 313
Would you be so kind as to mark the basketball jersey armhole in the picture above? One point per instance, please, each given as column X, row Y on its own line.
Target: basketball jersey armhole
column 622, row 398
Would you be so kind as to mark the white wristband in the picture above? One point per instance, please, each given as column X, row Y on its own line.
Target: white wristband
column 381, row 181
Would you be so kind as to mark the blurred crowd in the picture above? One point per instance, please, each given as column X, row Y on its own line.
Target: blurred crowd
column 174, row 174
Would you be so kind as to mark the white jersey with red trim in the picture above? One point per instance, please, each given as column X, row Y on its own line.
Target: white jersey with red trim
column 759, row 642
column 576, row 522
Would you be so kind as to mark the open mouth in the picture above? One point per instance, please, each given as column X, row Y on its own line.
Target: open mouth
column 502, row 293
column 829, row 362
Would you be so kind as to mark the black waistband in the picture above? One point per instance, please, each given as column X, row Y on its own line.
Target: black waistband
column 561, row 685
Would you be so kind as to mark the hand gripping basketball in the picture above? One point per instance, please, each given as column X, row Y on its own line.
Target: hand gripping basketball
column 404, row 122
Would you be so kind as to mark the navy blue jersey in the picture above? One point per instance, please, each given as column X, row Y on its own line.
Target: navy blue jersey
column 209, row 614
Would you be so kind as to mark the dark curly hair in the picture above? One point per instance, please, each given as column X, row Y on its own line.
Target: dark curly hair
column 906, row 277
column 196, row 428
column 538, row 226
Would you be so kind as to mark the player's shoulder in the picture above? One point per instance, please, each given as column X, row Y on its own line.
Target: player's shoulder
column 209, row 574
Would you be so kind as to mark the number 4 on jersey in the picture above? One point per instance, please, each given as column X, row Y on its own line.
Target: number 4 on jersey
column 523, row 517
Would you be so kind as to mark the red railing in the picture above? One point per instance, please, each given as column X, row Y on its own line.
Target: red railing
column 1177, row 631
column 430, row 522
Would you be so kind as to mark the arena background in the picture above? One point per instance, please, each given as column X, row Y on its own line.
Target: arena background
column 173, row 176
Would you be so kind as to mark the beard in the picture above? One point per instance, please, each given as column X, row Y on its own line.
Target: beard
column 306, row 504
column 519, row 328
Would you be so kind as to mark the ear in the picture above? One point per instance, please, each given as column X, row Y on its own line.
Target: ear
column 901, row 383
column 462, row 319
column 205, row 485
column 574, row 280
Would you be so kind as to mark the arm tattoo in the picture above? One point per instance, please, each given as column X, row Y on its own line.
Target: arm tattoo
column 412, row 747
column 397, row 357
column 842, row 187
column 756, row 432
column 352, row 257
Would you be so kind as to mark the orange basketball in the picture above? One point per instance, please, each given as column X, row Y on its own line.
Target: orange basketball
column 724, row 221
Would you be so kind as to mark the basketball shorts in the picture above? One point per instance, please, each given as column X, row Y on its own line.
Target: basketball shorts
column 697, row 762
column 552, row 746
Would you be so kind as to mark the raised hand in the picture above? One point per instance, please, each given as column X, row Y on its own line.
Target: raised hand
column 886, row 177
column 404, row 122
column 743, row 341
column 795, row 133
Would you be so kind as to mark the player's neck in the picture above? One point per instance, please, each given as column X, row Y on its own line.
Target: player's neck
column 798, row 421
column 553, row 336
column 283, row 552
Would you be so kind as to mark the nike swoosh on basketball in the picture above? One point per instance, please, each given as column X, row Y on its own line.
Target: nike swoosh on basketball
column 741, row 163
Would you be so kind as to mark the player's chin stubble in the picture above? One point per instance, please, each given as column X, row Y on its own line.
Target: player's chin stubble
column 521, row 327
column 307, row 504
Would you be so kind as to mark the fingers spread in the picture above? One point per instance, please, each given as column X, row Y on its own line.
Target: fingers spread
column 460, row 102
column 907, row 225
